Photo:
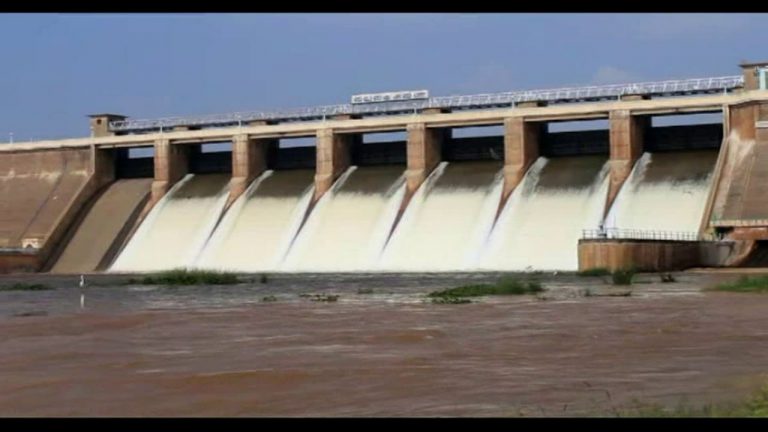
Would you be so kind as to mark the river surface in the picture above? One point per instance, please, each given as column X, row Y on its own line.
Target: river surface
column 224, row 351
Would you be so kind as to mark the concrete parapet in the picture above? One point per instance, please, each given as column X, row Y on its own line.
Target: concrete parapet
column 641, row 255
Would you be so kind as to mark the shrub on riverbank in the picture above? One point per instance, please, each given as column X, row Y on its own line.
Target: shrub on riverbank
column 754, row 406
column 623, row 277
column 505, row 286
column 188, row 277
column 757, row 284
column 601, row 271
column 25, row 286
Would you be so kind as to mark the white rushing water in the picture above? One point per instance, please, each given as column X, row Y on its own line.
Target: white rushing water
column 542, row 221
column 175, row 231
column 665, row 192
column 257, row 231
column 349, row 226
column 447, row 220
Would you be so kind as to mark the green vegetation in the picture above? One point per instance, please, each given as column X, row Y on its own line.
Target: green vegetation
column 601, row 271
column 24, row 286
column 757, row 284
column 328, row 298
column 505, row 286
column 365, row 291
column 269, row 298
column 623, row 277
column 754, row 406
column 263, row 279
column 451, row 300
column 188, row 277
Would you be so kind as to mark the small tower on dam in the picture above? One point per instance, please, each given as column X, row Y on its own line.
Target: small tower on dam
column 755, row 75
column 100, row 123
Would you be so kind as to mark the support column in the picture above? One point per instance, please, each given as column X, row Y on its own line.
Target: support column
column 521, row 149
column 103, row 166
column 424, row 151
column 249, row 160
column 333, row 158
column 626, row 141
column 171, row 164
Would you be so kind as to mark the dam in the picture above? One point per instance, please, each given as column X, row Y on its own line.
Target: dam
column 491, row 182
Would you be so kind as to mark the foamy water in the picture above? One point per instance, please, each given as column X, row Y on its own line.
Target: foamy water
column 447, row 220
column 349, row 226
column 542, row 221
column 256, row 232
column 174, row 232
column 665, row 191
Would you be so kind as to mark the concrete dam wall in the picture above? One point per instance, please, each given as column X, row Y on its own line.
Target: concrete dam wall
column 433, row 201
column 36, row 189
column 92, row 244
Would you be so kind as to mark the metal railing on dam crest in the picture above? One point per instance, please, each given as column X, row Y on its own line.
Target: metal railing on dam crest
column 460, row 102
column 635, row 234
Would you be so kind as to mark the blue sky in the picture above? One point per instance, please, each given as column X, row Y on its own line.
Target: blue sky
column 60, row 67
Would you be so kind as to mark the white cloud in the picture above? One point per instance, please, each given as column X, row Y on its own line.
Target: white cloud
column 613, row 75
column 489, row 78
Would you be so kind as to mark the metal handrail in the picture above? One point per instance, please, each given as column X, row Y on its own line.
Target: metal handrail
column 739, row 222
column 635, row 234
column 477, row 101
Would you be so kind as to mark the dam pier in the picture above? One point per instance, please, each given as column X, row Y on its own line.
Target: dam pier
column 319, row 190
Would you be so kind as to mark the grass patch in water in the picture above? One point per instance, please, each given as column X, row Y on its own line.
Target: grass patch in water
column 754, row 406
column 328, row 298
column 505, row 286
column 269, row 298
column 365, row 291
column 600, row 271
column 757, row 284
column 623, row 276
column 25, row 286
column 188, row 277
column 451, row 300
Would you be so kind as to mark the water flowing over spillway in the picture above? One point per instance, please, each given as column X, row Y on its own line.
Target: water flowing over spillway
column 174, row 232
column 542, row 221
column 256, row 232
column 350, row 224
column 447, row 220
column 665, row 192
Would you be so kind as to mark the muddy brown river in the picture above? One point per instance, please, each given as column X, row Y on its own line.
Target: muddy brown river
column 223, row 351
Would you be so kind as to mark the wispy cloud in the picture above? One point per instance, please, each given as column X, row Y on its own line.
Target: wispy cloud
column 489, row 78
column 613, row 75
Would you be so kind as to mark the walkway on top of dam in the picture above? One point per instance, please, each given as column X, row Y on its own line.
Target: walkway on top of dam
column 470, row 115
column 381, row 105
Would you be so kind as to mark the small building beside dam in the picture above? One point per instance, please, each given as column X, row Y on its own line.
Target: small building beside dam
column 559, row 179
